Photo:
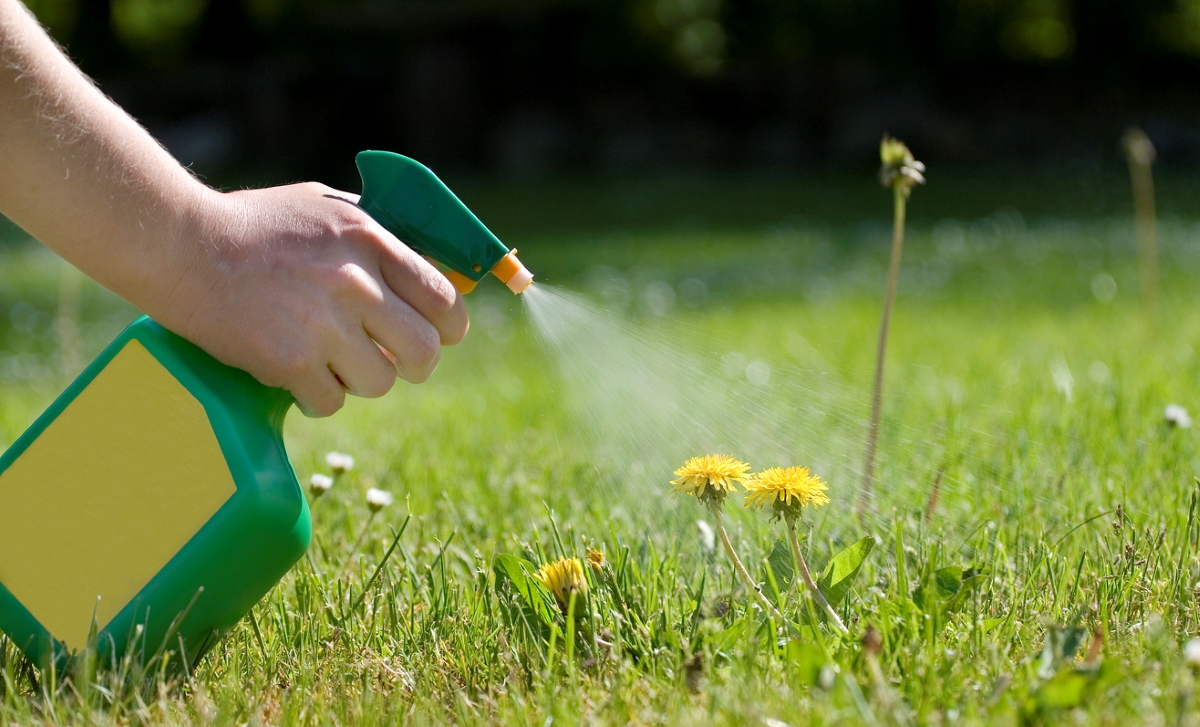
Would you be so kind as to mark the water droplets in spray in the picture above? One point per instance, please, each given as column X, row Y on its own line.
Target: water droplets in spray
column 647, row 395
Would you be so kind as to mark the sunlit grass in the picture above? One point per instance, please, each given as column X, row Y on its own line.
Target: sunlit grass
column 1064, row 519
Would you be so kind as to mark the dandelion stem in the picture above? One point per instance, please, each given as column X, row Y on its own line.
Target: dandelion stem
column 1139, row 152
column 741, row 569
column 900, row 193
column 808, row 579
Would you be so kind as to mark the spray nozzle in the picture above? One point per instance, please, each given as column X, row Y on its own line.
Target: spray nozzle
column 410, row 201
column 512, row 273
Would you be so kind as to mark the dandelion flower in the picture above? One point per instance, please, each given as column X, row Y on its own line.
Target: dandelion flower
column 339, row 462
column 595, row 558
column 1177, row 416
column 562, row 578
column 710, row 478
column 378, row 499
column 319, row 484
column 786, row 489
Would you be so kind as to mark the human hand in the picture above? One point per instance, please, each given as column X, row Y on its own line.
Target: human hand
column 302, row 289
column 296, row 285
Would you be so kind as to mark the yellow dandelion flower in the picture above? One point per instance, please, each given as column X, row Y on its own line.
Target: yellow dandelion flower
column 562, row 578
column 786, row 489
column 710, row 477
column 595, row 558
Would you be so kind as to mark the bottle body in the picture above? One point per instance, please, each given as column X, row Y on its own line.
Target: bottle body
column 149, row 508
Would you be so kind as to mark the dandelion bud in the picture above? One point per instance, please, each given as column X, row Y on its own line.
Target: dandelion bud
column 1176, row 416
column 893, row 152
column 595, row 558
column 898, row 165
column 1138, row 148
column 319, row 484
column 378, row 499
column 339, row 462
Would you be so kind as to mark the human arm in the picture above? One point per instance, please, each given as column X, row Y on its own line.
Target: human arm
column 295, row 284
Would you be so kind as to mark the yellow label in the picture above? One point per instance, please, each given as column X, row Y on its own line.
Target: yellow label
column 107, row 495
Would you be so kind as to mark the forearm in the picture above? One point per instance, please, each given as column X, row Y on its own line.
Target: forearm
column 83, row 177
column 296, row 285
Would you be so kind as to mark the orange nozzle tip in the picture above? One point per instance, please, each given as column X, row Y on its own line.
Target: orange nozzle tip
column 512, row 273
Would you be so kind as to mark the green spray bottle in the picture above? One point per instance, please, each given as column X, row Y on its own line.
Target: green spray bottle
column 153, row 504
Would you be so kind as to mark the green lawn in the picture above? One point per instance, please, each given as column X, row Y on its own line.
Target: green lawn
column 1025, row 389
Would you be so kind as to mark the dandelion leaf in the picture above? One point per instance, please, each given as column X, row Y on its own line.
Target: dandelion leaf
column 1059, row 648
column 842, row 569
column 728, row 639
column 1064, row 691
column 518, row 573
column 806, row 661
column 948, row 589
column 970, row 580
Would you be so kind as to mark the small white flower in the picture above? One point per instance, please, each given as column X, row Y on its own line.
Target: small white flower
column 1191, row 653
column 339, row 462
column 1177, row 416
column 378, row 499
column 319, row 484
column 708, row 539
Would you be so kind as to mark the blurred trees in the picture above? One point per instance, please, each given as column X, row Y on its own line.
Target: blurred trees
column 532, row 85
column 697, row 33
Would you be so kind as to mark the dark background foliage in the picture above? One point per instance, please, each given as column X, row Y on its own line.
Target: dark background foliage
column 248, row 90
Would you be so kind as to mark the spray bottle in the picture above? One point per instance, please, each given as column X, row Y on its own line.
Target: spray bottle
column 153, row 503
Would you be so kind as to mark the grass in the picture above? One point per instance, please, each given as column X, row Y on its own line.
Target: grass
column 1063, row 523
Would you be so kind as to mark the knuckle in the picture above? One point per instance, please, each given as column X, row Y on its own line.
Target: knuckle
column 444, row 294
column 431, row 365
column 446, row 310
column 382, row 384
column 291, row 363
column 428, row 346
column 350, row 281
column 355, row 220
column 424, row 352
column 331, row 401
column 323, row 403
column 420, row 376
column 338, row 279
column 314, row 187
column 330, row 277
column 366, row 287
column 456, row 330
